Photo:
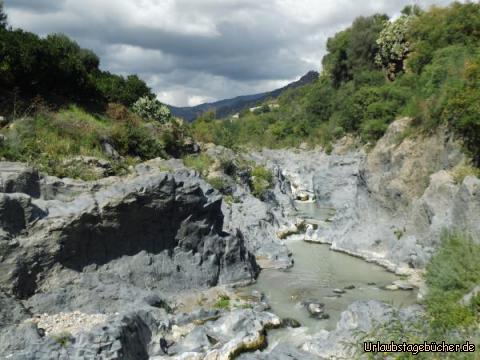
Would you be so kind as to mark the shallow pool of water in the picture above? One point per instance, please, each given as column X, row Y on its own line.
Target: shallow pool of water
column 317, row 272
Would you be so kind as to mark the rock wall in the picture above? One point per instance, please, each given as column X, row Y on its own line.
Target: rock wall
column 117, row 247
column 392, row 203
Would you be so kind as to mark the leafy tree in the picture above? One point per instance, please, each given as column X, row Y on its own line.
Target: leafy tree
column 207, row 116
column 126, row 91
column 441, row 27
column 354, row 49
column 3, row 16
column 393, row 45
column 412, row 10
column 462, row 106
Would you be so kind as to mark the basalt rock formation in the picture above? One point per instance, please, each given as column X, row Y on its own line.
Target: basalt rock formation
column 116, row 247
column 392, row 203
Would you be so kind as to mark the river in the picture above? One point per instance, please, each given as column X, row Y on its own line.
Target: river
column 316, row 273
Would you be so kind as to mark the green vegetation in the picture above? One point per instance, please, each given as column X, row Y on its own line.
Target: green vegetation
column 262, row 179
column 462, row 171
column 200, row 163
column 452, row 273
column 151, row 109
column 50, row 140
column 63, row 338
column 223, row 302
column 59, row 105
column 425, row 64
column 57, row 70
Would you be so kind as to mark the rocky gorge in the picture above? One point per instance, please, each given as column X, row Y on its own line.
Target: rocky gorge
column 146, row 266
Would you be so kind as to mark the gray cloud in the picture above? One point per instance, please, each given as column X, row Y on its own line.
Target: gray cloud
column 41, row 6
column 194, row 50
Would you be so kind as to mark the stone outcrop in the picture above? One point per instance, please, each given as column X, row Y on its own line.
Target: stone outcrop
column 115, row 247
column 238, row 331
column 259, row 220
column 393, row 203
column 360, row 318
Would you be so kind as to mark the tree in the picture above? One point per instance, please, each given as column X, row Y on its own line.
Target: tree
column 3, row 16
column 440, row 27
column 394, row 45
column 354, row 49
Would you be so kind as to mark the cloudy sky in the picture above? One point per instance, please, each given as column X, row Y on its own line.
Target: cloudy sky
column 192, row 51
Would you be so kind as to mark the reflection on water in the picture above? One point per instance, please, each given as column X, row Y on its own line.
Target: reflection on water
column 317, row 272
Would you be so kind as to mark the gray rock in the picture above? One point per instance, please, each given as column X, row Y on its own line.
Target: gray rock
column 167, row 222
column 391, row 204
column 280, row 352
column 113, row 247
column 259, row 222
column 360, row 317
column 19, row 178
column 315, row 308
column 291, row 323
column 110, row 151
column 238, row 331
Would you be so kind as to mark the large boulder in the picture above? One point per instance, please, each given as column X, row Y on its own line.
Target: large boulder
column 173, row 221
column 114, row 247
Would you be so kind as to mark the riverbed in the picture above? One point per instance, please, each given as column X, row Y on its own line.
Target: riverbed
column 317, row 272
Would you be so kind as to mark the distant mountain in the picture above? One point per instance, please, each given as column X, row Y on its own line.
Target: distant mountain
column 228, row 107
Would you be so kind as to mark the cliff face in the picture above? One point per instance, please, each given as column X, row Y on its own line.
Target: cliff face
column 392, row 203
column 405, row 197
column 109, row 247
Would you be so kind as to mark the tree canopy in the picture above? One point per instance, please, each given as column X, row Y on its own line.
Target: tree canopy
column 58, row 70
column 423, row 64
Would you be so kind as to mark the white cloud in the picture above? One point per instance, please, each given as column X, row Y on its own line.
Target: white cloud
column 190, row 51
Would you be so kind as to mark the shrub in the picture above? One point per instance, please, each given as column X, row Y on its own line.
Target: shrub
column 151, row 109
column 223, row 302
column 452, row 272
column 373, row 129
column 462, row 171
column 118, row 112
column 262, row 179
column 218, row 183
column 200, row 163
column 135, row 139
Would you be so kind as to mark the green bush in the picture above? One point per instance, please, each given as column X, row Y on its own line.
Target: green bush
column 223, row 302
column 262, row 179
column 452, row 272
column 48, row 139
column 462, row 171
column 218, row 183
column 200, row 163
column 151, row 109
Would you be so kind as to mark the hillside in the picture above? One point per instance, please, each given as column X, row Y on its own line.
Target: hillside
column 226, row 107
column 424, row 65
